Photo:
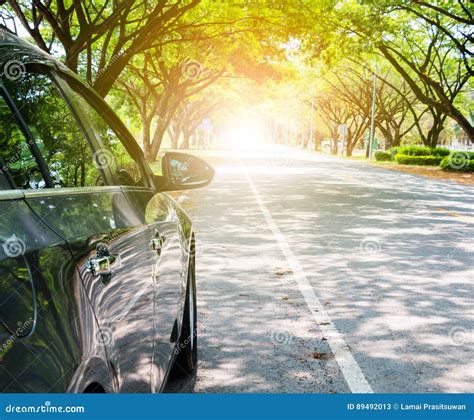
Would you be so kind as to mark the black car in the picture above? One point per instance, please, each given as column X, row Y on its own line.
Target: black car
column 97, row 270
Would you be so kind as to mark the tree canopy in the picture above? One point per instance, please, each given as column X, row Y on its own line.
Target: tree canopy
column 307, row 65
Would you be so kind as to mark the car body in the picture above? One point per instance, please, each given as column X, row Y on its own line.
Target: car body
column 97, row 281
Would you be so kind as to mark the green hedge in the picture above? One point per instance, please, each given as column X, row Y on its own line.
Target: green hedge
column 383, row 156
column 418, row 160
column 458, row 161
column 422, row 151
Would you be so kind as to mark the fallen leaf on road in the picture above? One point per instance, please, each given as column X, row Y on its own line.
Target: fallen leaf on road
column 451, row 213
column 320, row 356
column 281, row 271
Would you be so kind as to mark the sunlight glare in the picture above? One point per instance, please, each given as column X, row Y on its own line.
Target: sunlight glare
column 245, row 134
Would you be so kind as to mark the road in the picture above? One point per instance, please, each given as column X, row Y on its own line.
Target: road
column 322, row 275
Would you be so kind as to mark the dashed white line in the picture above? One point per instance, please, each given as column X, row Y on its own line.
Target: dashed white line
column 350, row 369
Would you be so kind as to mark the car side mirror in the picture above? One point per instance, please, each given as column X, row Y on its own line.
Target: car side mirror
column 182, row 171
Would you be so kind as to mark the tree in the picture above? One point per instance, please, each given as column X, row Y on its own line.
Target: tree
column 395, row 102
column 428, row 43
column 157, row 84
column 99, row 38
column 434, row 74
column 187, row 118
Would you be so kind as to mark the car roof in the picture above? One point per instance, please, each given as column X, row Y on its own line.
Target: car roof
column 14, row 50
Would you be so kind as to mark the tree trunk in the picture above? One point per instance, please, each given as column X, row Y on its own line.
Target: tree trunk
column 157, row 140
column 349, row 147
column 175, row 140
column 146, row 136
column 106, row 79
column 185, row 143
column 463, row 122
column 433, row 134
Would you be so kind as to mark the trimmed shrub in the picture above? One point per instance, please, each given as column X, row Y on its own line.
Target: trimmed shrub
column 470, row 155
column 418, row 160
column 383, row 156
column 440, row 151
column 423, row 151
column 414, row 151
column 458, row 161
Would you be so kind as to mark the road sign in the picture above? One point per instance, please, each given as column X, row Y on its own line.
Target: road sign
column 206, row 124
column 343, row 130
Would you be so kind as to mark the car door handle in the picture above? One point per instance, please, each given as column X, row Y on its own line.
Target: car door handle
column 156, row 244
column 103, row 265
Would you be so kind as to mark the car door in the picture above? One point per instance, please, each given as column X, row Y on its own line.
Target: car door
column 45, row 317
column 107, row 239
column 159, row 242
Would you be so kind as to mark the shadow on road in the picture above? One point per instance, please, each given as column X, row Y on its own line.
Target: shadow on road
column 389, row 255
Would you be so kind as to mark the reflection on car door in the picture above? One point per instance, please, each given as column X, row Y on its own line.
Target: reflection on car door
column 170, row 268
column 98, row 223
column 156, row 246
column 46, row 322
column 46, row 319
column 106, row 239
column 159, row 242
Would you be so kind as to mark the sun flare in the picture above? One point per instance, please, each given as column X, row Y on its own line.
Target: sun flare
column 244, row 134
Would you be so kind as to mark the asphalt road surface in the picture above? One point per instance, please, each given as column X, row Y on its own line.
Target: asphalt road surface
column 320, row 275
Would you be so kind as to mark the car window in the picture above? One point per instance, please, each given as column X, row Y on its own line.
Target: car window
column 16, row 159
column 113, row 154
column 56, row 130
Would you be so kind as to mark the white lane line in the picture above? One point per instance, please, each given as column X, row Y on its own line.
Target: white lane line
column 350, row 369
